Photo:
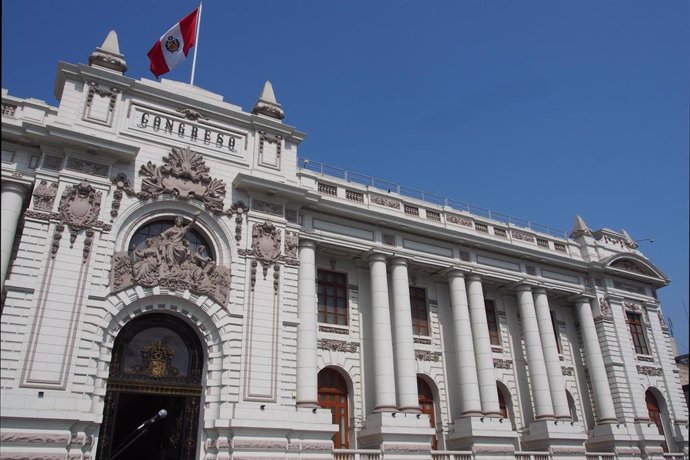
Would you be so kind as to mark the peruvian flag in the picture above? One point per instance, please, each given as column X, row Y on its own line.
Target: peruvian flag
column 173, row 46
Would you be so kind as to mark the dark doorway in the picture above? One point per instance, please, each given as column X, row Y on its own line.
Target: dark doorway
column 156, row 365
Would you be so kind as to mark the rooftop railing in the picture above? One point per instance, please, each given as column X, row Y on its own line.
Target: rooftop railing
column 438, row 200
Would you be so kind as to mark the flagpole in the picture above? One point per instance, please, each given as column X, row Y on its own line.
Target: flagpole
column 196, row 43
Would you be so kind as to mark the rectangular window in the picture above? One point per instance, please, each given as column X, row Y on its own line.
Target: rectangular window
column 332, row 297
column 554, row 324
column 420, row 315
column 491, row 321
column 637, row 333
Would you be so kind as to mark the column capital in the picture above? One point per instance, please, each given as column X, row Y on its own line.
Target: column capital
column 399, row 260
column 539, row 290
column 523, row 288
column 10, row 185
column 307, row 243
column 473, row 277
column 377, row 256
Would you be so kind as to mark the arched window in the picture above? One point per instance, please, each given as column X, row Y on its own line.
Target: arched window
column 505, row 404
column 426, row 404
column 154, row 229
column 655, row 414
column 333, row 395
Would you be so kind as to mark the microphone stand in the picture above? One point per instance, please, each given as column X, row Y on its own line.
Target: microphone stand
column 139, row 433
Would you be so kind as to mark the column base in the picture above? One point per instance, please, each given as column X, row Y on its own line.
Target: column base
column 562, row 439
column 488, row 437
column 399, row 434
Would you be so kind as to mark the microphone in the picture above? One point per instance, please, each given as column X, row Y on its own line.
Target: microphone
column 161, row 414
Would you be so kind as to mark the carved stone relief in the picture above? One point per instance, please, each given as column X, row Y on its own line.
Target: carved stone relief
column 291, row 243
column 268, row 208
column 79, row 208
column 167, row 261
column 338, row 345
column 627, row 266
column 51, row 162
column 567, row 370
column 425, row 355
column 334, row 330
column 184, row 175
column 44, row 196
column 464, row 221
column 503, row 363
column 87, row 167
column 190, row 114
column 649, row 370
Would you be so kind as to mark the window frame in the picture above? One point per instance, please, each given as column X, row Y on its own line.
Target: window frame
column 322, row 308
column 420, row 327
column 492, row 318
column 636, row 327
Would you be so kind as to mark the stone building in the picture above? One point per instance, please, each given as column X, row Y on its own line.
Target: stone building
column 164, row 249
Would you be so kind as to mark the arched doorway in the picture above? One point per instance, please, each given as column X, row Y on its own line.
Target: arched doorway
column 426, row 405
column 333, row 395
column 156, row 364
column 654, row 411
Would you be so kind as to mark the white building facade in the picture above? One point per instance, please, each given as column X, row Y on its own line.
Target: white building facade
column 164, row 249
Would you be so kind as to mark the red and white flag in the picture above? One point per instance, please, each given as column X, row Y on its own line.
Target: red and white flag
column 173, row 46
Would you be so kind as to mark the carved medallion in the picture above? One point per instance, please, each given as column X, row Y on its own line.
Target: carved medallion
column 266, row 241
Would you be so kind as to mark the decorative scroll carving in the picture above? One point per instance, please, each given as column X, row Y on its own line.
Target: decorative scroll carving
column 497, row 349
column 168, row 262
column 649, row 370
column 338, row 345
column 239, row 209
column 422, row 340
column 567, row 370
column 87, row 167
column 334, row 330
column 184, row 175
column 503, row 363
column 424, row 355
column 291, row 243
column 44, row 196
column 121, row 182
column 37, row 215
column 383, row 201
column 190, row 114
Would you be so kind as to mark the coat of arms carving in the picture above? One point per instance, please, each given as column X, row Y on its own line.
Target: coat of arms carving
column 79, row 208
column 184, row 174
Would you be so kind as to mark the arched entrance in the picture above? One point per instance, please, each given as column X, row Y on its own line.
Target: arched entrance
column 426, row 405
column 333, row 395
column 654, row 411
column 156, row 364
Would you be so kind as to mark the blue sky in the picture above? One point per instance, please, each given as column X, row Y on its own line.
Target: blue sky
column 537, row 109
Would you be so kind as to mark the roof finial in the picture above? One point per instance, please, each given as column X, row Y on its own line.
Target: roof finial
column 108, row 55
column 267, row 104
column 580, row 228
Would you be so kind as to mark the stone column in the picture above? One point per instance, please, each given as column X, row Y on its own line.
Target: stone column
column 606, row 412
column 551, row 358
column 535, row 358
column 405, row 366
column 12, row 202
column 468, row 384
column 384, row 377
column 482, row 348
column 307, row 385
